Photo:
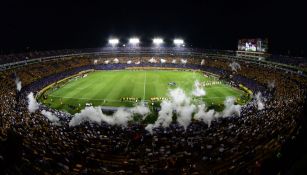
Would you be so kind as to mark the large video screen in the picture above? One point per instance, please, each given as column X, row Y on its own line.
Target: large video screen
column 253, row 45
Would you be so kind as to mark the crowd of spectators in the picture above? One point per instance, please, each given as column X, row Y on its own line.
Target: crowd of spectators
column 10, row 58
column 30, row 144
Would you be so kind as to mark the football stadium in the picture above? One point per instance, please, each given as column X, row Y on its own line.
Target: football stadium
column 136, row 112
column 147, row 103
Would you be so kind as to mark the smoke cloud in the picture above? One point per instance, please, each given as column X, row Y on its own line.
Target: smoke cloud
column 138, row 62
column 115, row 60
column 18, row 84
column 129, row 62
column 180, row 104
column 271, row 84
column 174, row 61
column 149, row 128
column 234, row 66
column 184, row 61
column 198, row 90
column 177, row 104
column 184, row 115
column 202, row 62
column 152, row 60
column 162, row 61
column 259, row 101
column 106, row 62
column 202, row 115
column 90, row 114
column 121, row 117
column 32, row 103
column 51, row 117
column 140, row 109
column 231, row 108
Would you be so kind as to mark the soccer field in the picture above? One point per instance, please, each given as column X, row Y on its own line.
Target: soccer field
column 107, row 88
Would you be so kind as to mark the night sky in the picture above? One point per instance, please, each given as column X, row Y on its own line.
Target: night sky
column 214, row 24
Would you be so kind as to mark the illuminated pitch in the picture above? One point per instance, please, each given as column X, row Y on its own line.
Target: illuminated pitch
column 126, row 87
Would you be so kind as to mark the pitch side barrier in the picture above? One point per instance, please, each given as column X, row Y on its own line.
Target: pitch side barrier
column 195, row 53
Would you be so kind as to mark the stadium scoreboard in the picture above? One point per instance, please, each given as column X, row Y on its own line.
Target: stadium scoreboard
column 253, row 48
column 253, row 45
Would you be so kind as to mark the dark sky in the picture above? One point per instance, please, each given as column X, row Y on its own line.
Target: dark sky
column 218, row 24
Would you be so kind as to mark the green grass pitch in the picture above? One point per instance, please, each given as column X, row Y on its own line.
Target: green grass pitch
column 106, row 88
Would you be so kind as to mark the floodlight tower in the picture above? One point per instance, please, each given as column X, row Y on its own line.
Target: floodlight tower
column 113, row 42
column 179, row 42
column 157, row 41
column 134, row 41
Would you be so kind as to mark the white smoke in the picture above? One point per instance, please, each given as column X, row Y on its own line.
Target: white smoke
column 138, row 62
column 162, row 61
column 198, row 90
column 121, row 117
column 129, row 62
column 165, row 114
column 90, row 114
column 259, row 101
column 174, row 61
column 271, row 84
column 95, row 61
column 32, row 103
column 149, row 128
column 234, row 66
column 202, row 115
column 180, row 104
column 230, row 108
column 202, row 62
column 51, row 117
column 152, row 60
column 18, row 84
column 184, row 61
column 184, row 114
column 211, row 115
column 106, row 62
column 115, row 60
column 140, row 109
column 178, row 97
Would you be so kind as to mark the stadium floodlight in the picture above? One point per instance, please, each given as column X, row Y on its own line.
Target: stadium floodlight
column 134, row 41
column 157, row 41
column 113, row 41
column 178, row 42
